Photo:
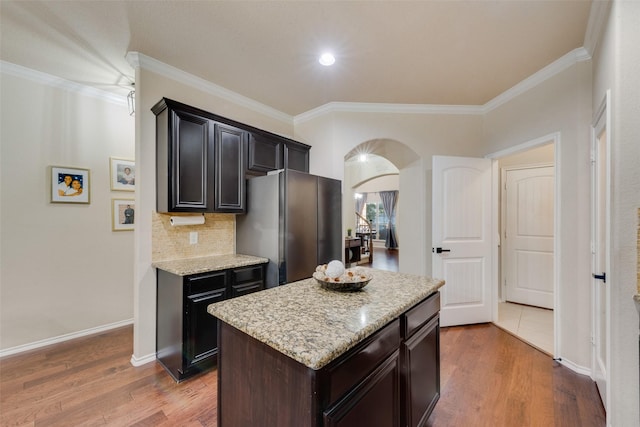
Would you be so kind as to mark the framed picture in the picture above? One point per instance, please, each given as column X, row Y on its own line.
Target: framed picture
column 70, row 185
column 123, row 174
column 122, row 214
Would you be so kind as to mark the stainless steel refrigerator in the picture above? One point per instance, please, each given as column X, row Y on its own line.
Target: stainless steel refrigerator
column 294, row 219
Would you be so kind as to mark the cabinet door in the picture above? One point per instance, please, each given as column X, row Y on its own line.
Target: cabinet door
column 230, row 177
column 191, row 150
column 372, row 403
column 201, row 340
column 421, row 354
column 201, row 328
column 265, row 153
column 296, row 157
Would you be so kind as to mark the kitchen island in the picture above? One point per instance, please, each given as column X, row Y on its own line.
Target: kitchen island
column 300, row 355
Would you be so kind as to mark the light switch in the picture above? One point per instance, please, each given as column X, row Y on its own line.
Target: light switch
column 193, row 237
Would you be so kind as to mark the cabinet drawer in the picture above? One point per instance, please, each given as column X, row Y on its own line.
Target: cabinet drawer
column 361, row 360
column 247, row 274
column 420, row 314
column 205, row 282
column 246, row 288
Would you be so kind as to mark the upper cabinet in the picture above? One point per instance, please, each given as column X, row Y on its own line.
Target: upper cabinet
column 202, row 159
column 265, row 153
column 230, row 193
column 200, row 163
column 296, row 156
column 269, row 152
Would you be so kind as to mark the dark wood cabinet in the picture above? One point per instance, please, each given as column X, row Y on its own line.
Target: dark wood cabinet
column 372, row 403
column 186, row 334
column 389, row 379
column 420, row 353
column 202, row 159
column 230, row 191
column 296, row 156
column 200, row 162
column 264, row 153
column 184, row 161
column 200, row 340
column 271, row 152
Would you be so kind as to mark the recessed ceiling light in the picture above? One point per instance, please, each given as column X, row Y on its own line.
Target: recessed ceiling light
column 327, row 59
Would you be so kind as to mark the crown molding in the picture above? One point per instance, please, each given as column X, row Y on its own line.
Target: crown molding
column 596, row 25
column 60, row 83
column 556, row 67
column 363, row 107
column 140, row 60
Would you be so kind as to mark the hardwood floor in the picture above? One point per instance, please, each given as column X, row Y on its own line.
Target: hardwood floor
column 488, row 378
column 385, row 259
column 90, row 382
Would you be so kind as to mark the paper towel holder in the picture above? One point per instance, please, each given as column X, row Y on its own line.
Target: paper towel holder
column 187, row 220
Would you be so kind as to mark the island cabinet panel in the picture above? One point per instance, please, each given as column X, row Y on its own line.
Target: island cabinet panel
column 186, row 334
column 390, row 378
column 346, row 371
column 420, row 354
column 259, row 386
column 373, row 403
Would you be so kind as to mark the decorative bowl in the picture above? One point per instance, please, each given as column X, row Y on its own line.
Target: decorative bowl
column 349, row 281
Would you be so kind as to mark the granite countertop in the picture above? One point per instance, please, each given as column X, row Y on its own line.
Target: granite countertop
column 313, row 325
column 185, row 267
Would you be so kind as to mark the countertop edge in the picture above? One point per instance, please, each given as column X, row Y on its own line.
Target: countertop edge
column 317, row 359
column 189, row 266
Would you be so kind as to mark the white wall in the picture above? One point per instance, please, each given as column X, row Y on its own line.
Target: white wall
column 63, row 271
column 617, row 67
column 560, row 104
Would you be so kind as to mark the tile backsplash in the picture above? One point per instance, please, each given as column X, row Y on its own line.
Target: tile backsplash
column 215, row 237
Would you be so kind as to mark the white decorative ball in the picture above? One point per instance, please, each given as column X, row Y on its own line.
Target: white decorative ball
column 334, row 269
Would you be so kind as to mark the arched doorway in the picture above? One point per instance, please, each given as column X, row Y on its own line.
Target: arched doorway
column 373, row 160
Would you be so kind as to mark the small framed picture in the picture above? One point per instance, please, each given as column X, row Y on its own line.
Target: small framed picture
column 70, row 185
column 122, row 214
column 123, row 174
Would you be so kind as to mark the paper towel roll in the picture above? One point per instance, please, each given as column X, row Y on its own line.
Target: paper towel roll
column 187, row 220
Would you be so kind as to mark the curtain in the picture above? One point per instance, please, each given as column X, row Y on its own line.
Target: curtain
column 359, row 205
column 389, row 200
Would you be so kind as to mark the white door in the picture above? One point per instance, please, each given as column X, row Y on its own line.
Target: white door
column 528, row 236
column 461, row 233
column 600, row 256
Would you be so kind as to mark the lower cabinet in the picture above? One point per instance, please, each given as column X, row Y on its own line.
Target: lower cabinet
column 422, row 367
column 373, row 402
column 391, row 378
column 186, row 334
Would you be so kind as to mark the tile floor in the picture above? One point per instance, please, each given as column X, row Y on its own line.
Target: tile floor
column 531, row 324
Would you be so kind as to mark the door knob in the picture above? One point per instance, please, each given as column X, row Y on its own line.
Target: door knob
column 440, row 250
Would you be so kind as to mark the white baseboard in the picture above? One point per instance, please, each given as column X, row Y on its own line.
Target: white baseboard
column 139, row 361
column 63, row 338
column 575, row 368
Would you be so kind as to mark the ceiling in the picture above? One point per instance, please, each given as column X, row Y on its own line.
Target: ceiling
column 448, row 52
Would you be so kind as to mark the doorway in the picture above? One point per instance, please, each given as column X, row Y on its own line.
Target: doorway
column 600, row 253
column 526, row 291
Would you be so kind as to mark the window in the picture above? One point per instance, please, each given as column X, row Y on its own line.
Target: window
column 374, row 212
